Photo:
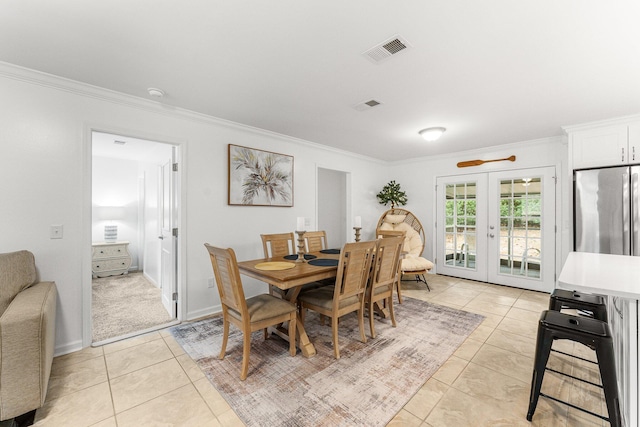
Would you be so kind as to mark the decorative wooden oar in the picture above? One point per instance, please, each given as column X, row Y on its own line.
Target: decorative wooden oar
column 468, row 163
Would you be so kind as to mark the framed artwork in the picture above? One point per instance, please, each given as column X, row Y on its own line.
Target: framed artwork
column 259, row 178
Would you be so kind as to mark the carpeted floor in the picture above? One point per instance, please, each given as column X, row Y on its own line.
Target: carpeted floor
column 367, row 386
column 125, row 304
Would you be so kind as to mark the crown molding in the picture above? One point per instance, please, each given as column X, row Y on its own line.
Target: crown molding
column 27, row 75
column 624, row 120
column 484, row 150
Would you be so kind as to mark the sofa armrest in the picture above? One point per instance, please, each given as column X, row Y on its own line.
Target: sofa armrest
column 27, row 339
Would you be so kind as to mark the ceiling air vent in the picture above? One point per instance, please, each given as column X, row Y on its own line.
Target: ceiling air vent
column 386, row 49
column 363, row 106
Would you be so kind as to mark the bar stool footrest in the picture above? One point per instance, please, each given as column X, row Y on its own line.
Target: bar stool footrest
column 574, row 407
column 575, row 378
column 574, row 356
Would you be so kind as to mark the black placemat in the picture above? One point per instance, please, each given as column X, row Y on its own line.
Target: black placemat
column 330, row 251
column 324, row 262
column 306, row 256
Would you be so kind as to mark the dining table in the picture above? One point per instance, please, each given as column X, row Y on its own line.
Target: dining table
column 289, row 276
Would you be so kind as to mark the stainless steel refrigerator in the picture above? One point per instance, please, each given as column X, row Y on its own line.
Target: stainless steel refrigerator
column 606, row 210
column 606, row 221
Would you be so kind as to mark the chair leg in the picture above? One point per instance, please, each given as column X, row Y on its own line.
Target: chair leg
column 334, row 331
column 246, row 348
column 399, row 286
column 372, row 330
column 391, row 312
column 225, row 336
column 606, row 363
column 543, row 349
column 360, row 313
column 292, row 334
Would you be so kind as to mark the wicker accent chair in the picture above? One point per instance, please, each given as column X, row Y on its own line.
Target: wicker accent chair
column 412, row 263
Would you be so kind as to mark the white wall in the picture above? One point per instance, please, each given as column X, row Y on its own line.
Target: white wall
column 115, row 183
column 45, row 138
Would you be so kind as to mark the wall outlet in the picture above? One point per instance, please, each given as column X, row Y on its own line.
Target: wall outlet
column 211, row 282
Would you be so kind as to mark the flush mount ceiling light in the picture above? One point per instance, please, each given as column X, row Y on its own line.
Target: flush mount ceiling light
column 155, row 92
column 432, row 134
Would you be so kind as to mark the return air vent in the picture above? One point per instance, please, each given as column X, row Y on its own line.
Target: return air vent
column 386, row 49
column 363, row 106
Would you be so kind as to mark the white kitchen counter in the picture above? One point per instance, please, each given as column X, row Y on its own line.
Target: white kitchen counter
column 616, row 275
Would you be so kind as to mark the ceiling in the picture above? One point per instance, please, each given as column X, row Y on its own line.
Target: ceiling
column 492, row 72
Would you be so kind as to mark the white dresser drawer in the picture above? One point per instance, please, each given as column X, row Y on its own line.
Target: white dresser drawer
column 110, row 259
column 116, row 250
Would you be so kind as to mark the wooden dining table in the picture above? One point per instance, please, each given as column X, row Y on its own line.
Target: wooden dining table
column 289, row 282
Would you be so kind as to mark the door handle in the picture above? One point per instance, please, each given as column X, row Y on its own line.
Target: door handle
column 161, row 237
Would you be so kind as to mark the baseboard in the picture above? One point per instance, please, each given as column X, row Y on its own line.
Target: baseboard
column 216, row 309
column 153, row 282
column 68, row 348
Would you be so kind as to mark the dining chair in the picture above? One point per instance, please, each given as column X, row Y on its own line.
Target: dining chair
column 347, row 296
column 278, row 245
column 249, row 315
column 384, row 275
column 315, row 241
column 381, row 234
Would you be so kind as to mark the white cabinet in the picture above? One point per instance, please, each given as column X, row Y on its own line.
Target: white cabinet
column 605, row 146
column 110, row 259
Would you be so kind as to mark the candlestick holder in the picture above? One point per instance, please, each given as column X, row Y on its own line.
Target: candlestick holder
column 300, row 246
column 357, row 229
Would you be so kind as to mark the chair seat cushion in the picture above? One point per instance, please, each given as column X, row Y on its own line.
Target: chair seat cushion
column 415, row 263
column 323, row 297
column 265, row 306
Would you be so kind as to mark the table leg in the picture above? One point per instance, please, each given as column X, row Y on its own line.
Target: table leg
column 306, row 346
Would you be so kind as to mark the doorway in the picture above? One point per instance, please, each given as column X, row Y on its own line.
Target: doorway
column 332, row 205
column 134, row 197
column 498, row 227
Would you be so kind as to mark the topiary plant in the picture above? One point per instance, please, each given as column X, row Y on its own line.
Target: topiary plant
column 392, row 193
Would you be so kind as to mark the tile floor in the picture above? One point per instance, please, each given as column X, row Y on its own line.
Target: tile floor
column 150, row 381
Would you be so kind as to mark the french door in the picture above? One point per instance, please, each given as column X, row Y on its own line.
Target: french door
column 498, row 227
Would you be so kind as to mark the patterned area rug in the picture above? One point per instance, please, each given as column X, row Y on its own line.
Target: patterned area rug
column 367, row 386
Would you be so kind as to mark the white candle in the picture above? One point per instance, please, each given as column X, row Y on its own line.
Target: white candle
column 357, row 222
column 300, row 224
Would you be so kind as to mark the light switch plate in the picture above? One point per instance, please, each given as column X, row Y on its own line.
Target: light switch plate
column 55, row 232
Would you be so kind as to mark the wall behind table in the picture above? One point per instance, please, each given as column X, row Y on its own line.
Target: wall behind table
column 45, row 142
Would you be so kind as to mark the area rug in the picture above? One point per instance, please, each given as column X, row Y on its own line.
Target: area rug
column 367, row 386
column 125, row 304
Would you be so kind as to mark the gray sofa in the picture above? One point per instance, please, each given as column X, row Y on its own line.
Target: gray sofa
column 27, row 334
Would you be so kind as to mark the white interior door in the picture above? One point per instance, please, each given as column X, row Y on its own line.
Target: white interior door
column 168, row 235
column 498, row 227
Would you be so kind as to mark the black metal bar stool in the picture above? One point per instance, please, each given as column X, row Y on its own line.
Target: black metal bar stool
column 591, row 332
column 595, row 304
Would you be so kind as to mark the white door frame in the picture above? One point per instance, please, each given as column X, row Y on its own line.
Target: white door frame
column 348, row 211
column 86, row 250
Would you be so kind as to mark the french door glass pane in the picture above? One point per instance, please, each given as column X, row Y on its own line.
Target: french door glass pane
column 460, row 222
column 520, row 227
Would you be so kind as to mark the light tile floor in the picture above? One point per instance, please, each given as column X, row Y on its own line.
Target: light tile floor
column 150, row 381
